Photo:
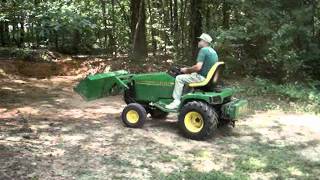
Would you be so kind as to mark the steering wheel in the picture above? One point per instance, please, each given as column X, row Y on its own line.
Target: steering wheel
column 174, row 71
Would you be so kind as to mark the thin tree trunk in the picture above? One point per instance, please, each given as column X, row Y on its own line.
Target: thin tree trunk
column 2, row 33
column 176, row 27
column 163, row 25
column 314, row 8
column 76, row 41
column 56, row 40
column 113, row 37
column 196, row 25
column 125, row 15
column 208, row 26
column 15, row 34
column 184, row 41
column 4, row 28
column 104, row 16
column 34, row 33
column 138, row 29
column 154, row 42
column 21, row 32
column 38, row 37
column 171, row 18
column 226, row 14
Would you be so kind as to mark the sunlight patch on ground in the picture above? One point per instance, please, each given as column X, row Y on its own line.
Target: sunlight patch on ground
column 73, row 139
column 29, row 110
column 311, row 153
column 294, row 171
column 55, row 153
column 19, row 81
column 312, row 122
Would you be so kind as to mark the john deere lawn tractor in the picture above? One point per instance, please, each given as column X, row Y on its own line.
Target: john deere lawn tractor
column 203, row 105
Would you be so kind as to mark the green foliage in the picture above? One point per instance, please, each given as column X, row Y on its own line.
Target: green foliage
column 291, row 96
column 273, row 39
column 28, row 54
column 293, row 92
column 276, row 39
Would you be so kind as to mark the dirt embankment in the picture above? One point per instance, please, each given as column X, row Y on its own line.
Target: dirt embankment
column 64, row 65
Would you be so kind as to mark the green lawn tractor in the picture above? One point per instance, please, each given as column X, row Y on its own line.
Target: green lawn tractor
column 203, row 106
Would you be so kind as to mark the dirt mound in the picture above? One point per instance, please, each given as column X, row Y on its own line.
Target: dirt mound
column 71, row 66
column 48, row 69
column 32, row 55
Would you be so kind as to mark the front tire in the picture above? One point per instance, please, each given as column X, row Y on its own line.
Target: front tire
column 134, row 115
column 198, row 120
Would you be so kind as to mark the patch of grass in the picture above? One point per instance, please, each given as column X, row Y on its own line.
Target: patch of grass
column 61, row 145
column 282, row 161
column 167, row 157
column 201, row 153
column 84, row 174
column 213, row 175
column 117, row 162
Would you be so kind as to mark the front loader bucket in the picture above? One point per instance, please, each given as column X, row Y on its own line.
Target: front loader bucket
column 103, row 85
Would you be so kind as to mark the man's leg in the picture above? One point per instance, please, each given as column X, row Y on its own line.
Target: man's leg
column 181, row 80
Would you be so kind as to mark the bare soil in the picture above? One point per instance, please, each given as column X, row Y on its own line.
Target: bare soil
column 48, row 132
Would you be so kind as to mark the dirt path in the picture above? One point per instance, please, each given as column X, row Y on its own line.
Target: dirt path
column 49, row 132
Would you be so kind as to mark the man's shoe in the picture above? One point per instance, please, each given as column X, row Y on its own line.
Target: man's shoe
column 174, row 105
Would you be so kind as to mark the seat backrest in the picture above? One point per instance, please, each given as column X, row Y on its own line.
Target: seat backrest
column 212, row 76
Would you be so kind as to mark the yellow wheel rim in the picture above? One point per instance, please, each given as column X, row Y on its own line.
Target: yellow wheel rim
column 193, row 121
column 132, row 116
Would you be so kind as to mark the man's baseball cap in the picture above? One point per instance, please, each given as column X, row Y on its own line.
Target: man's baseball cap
column 206, row 37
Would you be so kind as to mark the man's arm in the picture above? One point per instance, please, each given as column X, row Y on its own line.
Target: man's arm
column 195, row 68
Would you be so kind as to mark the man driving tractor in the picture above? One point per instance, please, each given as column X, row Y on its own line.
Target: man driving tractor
column 206, row 58
column 199, row 112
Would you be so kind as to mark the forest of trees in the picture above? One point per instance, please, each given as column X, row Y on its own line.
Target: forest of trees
column 277, row 39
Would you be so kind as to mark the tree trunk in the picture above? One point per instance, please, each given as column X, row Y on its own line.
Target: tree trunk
column 3, row 28
column 226, row 14
column 184, row 30
column 154, row 42
column 196, row 25
column 313, row 20
column 171, row 18
column 56, row 40
column 2, row 33
column 176, row 27
column 76, row 41
column 34, row 27
column 208, row 20
column 138, row 29
column 21, row 32
column 15, row 34
column 113, row 37
column 104, row 20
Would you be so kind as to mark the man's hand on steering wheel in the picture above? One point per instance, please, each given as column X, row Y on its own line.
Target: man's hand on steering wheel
column 183, row 70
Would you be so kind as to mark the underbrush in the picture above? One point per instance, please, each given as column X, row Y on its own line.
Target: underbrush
column 265, row 95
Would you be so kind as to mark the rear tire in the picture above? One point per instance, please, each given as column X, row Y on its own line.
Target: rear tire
column 134, row 115
column 198, row 120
